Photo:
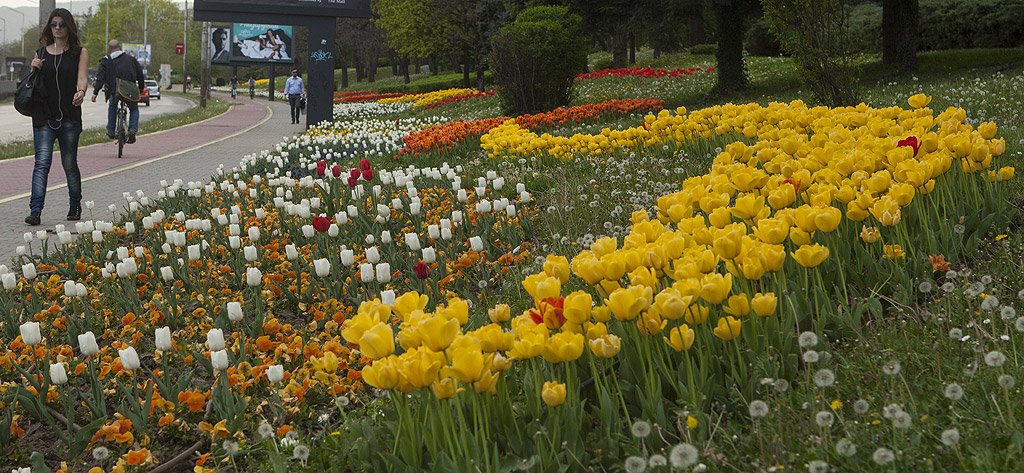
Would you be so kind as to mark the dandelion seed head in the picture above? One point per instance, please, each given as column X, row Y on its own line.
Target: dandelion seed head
column 995, row 359
column 959, row 229
column 758, row 409
column 925, row 286
column 1019, row 324
column 301, row 452
column 950, row 437
column 990, row 302
column 971, row 368
column 683, row 456
column 986, row 279
column 861, row 406
column 817, row 466
column 100, row 453
column 1007, row 312
column 824, row 418
column 883, row 456
column 657, row 461
column 265, row 431
column 1006, row 381
column 953, row 392
column 811, row 356
column 641, row 429
column 891, row 410
column 845, row 447
column 891, row 368
column 781, row 385
column 824, row 378
column 955, row 333
column 635, row 464
column 948, row 287
column 951, row 274
column 901, row 420
column 808, row 339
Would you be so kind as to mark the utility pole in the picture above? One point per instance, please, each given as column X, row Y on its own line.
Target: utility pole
column 204, row 64
column 184, row 55
column 45, row 8
column 106, row 23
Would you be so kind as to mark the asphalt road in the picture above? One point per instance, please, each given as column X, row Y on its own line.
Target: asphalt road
column 14, row 126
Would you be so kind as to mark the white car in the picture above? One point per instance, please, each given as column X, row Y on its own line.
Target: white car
column 154, row 89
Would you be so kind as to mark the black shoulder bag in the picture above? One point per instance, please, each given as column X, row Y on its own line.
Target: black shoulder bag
column 29, row 89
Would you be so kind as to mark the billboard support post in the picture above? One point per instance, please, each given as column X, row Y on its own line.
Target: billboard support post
column 270, row 86
column 320, row 71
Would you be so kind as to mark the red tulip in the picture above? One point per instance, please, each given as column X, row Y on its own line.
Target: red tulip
column 354, row 174
column 422, row 270
column 336, row 170
column 321, row 224
column 911, row 142
column 352, row 181
column 367, row 174
column 321, row 167
column 364, row 164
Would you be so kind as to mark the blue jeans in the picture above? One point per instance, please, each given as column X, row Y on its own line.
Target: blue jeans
column 133, row 116
column 67, row 135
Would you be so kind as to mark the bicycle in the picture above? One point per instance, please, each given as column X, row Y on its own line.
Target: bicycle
column 121, row 128
column 234, row 91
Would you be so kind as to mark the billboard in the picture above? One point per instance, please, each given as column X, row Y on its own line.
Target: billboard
column 142, row 52
column 332, row 8
column 261, row 42
column 220, row 44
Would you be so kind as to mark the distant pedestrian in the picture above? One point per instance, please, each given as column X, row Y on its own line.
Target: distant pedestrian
column 295, row 90
column 188, row 83
column 252, row 88
column 64, row 65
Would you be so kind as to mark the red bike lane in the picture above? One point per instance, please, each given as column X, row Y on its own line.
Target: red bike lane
column 16, row 174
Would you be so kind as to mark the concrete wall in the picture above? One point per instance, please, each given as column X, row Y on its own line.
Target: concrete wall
column 7, row 87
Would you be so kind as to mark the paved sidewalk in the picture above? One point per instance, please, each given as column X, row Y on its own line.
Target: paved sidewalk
column 190, row 153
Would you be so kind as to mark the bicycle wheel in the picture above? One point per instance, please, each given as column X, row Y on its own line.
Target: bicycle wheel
column 121, row 132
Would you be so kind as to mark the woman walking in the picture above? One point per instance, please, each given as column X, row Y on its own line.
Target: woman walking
column 57, row 116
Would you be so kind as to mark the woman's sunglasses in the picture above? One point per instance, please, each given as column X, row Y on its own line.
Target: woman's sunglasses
column 58, row 24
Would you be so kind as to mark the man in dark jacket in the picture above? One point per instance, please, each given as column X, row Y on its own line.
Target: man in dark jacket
column 114, row 66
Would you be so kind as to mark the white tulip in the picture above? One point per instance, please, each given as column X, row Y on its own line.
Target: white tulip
column 322, row 267
column 253, row 277
column 387, row 297
column 352, row 210
column 275, row 373
column 291, row 253
column 250, row 253
column 27, row 237
column 308, row 231
column 129, row 227
column 234, row 242
column 510, row 210
column 347, row 257
column 65, row 237
column 429, row 255
column 21, row 250
column 370, row 238
column 28, row 271
column 476, row 243
column 58, row 375
column 341, row 218
column 167, row 273
column 215, row 339
column 87, row 344
column 81, row 290
column 434, row 232
column 260, row 213
column 69, row 289
column 462, row 195
column 373, row 255
column 42, row 235
column 383, row 273
column 219, row 360
column 457, row 216
column 129, row 358
column 366, row 272
column 235, row 311
column 163, row 339
column 446, row 234
column 233, row 229
column 254, row 234
column 193, row 253
column 412, row 240
column 385, row 237
column 332, row 231
column 524, row 197
column 30, row 333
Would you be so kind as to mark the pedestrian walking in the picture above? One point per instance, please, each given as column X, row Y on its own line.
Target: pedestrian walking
column 64, row 65
column 295, row 90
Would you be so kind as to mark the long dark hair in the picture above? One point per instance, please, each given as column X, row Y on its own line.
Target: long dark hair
column 46, row 36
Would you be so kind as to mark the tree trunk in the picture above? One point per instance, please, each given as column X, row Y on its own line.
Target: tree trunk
column 465, row 70
column 899, row 34
column 344, row 70
column 433, row 64
column 619, row 47
column 360, row 68
column 729, row 19
column 657, row 53
column 393, row 60
column 697, row 34
column 405, row 70
column 632, row 48
column 371, row 68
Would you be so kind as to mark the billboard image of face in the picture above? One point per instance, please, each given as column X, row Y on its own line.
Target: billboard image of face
column 220, row 45
column 258, row 42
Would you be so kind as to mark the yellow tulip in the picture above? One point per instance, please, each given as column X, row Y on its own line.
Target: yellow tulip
column 987, row 130
column 715, row 287
column 406, row 303
column 409, row 336
column 382, row 374
column 420, row 366
column 437, row 332
column 456, row 309
column 764, row 304
column 650, row 322
column 728, row 243
column 782, row 197
column 680, row 338
column 810, row 256
column 577, row 306
column 870, row 234
column 902, row 193
column 728, row 328
column 772, row 230
column 804, row 217
column 605, row 346
column 799, row 237
column 601, row 313
column 587, row 267
column 352, row 330
column 445, row 388
column 541, row 286
column 500, row 313
column 499, row 363
column 557, row 267
column 488, row 383
column 827, row 220
column 696, row 314
column 377, row 342
column 613, row 266
column 553, row 393
column 528, row 346
column 492, row 338
column 563, row 346
column 738, row 305
column 639, row 216
column 1006, row 173
column 467, row 365
column 772, row 257
column 748, row 206
column 893, row 252
column 643, row 276
column 855, row 212
column 626, row 304
column 919, row 100
column 376, row 310
column 603, row 246
column 671, row 304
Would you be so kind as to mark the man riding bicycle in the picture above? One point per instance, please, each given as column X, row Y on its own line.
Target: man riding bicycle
column 114, row 66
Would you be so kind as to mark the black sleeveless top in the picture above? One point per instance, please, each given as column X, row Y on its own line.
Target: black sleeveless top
column 60, row 82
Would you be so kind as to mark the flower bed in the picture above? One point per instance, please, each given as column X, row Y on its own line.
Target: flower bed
column 643, row 73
